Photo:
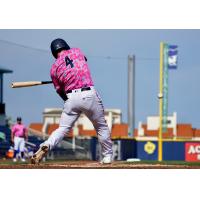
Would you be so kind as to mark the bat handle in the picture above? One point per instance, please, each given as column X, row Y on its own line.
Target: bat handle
column 46, row 82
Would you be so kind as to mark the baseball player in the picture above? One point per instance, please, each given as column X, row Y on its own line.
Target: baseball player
column 19, row 134
column 72, row 80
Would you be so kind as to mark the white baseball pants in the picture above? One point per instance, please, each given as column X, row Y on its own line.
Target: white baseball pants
column 89, row 103
column 19, row 144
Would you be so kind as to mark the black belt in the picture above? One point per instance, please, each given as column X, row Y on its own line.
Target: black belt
column 82, row 89
column 20, row 136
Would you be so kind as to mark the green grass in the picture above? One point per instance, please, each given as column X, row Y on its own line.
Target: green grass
column 10, row 162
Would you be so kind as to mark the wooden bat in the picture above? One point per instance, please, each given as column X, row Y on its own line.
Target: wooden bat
column 29, row 83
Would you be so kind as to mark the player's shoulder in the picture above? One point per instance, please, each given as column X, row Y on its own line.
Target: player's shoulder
column 75, row 50
column 14, row 126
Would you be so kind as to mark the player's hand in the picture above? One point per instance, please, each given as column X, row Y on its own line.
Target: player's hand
column 63, row 96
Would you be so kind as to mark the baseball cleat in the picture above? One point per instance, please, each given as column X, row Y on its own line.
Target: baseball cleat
column 106, row 160
column 23, row 160
column 41, row 153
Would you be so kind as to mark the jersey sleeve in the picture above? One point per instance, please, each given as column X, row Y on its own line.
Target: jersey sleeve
column 13, row 129
column 55, row 81
column 57, row 86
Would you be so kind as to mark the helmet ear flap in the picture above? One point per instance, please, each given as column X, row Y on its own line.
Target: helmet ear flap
column 55, row 54
column 58, row 45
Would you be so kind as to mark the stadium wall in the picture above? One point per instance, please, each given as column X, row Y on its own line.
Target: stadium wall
column 185, row 150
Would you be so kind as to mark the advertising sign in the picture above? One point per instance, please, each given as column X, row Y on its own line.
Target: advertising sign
column 192, row 152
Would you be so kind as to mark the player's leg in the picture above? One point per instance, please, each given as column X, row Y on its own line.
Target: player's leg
column 95, row 112
column 66, row 123
column 21, row 149
column 16, row 148
column 68, row 117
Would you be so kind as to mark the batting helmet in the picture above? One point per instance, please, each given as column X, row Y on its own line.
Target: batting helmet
column 57, row 45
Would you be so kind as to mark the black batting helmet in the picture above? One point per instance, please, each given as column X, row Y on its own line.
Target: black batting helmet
column 57, row 45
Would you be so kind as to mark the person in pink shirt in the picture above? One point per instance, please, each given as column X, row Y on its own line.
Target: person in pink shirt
column 73, row 82
column 19, row 135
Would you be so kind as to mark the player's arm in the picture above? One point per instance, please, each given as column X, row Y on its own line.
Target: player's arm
column 59, row 90
column 26, row 134
column 62, row 95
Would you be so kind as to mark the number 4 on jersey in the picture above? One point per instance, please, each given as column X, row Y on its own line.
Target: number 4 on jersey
column 69, row 62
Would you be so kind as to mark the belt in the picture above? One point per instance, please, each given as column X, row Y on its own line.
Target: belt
column 20, row 136
column 82, row 89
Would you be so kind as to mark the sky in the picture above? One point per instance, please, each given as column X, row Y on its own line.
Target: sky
column 27, row 53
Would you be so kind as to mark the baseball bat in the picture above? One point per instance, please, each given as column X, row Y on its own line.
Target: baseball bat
column 29, row 83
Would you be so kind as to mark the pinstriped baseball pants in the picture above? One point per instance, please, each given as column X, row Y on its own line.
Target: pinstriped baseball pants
column 89, row 103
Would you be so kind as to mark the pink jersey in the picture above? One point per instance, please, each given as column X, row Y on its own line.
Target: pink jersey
column 70, row 71
column 19, row 130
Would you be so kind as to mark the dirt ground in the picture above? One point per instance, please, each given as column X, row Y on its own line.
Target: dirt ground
column 95, row 165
